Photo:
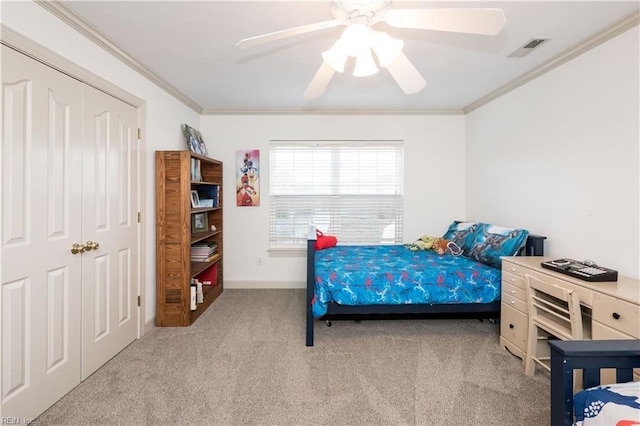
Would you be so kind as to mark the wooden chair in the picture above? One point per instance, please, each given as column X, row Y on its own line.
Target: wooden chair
column 554, row 312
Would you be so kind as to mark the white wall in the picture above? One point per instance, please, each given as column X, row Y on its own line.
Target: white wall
column 560, row 157
column 434, row 183
column 576, row 126
column 164, row 112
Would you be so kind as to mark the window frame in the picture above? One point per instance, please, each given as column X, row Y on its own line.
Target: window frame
column 385, row 218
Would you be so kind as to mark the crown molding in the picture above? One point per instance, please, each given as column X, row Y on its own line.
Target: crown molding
column 85, row 28
column 605, row 35
column 335, row 112
column 76, row 22
column 36, row 51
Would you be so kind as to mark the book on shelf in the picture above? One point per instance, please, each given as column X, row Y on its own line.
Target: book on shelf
column 196, row 172
column 201, row 251
column 194, row 299
column 204, row 252
column 209, row 276
column 213, row 257
column 210, row 192
column 203, row 245
column 209, row 258
column 199, row 293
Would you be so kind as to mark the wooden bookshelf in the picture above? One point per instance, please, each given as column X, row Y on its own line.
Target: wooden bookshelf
column 175, row 237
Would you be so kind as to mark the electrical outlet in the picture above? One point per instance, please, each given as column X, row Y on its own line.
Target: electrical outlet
column 259, row 261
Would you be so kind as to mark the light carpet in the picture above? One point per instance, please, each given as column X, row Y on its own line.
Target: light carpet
column 244, row 362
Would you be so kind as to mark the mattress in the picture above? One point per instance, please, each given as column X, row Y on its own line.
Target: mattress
column 395, row 275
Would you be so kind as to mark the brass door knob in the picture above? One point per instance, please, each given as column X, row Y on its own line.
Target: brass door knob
column 78, row 248
column 92, row 246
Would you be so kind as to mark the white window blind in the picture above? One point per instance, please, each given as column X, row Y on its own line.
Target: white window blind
column 350, row 189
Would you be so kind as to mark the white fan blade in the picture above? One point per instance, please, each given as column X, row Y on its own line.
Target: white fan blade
column 472, row 21
column 320, row 82
column 252, row 41
column 406, row 75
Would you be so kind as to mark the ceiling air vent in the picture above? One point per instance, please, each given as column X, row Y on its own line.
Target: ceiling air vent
column 528, row 47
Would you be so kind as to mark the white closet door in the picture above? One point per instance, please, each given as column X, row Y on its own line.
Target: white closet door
column 110, row 207
column 70, row 160
column 41, row 216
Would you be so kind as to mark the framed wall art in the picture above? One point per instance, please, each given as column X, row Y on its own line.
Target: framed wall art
column 248, row 178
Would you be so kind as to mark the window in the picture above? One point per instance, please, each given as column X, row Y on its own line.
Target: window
column 350, row 189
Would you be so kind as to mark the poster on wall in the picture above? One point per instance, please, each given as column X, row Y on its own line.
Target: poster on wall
column 248, row 177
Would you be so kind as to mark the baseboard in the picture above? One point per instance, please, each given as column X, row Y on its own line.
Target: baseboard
column 149, row 325
column 264, row 284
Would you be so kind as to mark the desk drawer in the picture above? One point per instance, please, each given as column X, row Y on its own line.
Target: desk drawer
column 514, row 297
column 516, row 270
column 513, row 326
column 617, row 314
column 514, row 302
column 602, row 332
column 514, row 290
column 514, row 279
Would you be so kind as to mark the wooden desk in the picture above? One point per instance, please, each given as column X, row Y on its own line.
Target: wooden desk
column 614, row 307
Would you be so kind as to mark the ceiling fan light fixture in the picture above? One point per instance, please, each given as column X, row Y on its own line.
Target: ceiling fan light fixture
column 356, row 38
column 361, row 42
column 387, row 49
column 336, row 57
column 365, row 66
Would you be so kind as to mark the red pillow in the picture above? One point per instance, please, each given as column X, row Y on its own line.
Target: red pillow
column 324, row 241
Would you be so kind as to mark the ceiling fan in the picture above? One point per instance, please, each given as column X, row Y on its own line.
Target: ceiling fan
column 359, row 39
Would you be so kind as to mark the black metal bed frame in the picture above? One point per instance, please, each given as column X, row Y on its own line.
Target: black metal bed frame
column 534, row 247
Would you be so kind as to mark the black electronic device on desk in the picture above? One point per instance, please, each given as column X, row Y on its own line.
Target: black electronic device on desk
column 586, row 270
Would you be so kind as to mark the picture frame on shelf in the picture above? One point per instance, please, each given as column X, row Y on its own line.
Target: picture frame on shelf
column 199, row 222
column 194, row 140
column 195, row 199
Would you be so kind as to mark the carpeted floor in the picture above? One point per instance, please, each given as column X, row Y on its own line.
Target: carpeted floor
column 244, row 362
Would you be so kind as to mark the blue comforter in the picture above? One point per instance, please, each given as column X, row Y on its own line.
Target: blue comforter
column 395, row 275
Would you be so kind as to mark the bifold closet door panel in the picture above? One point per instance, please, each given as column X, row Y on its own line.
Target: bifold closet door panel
column 110, row 209
column 41, row 220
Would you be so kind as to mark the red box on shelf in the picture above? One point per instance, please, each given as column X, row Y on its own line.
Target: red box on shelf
column 209, row 276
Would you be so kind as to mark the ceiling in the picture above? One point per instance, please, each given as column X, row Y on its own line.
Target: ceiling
column 190, row 47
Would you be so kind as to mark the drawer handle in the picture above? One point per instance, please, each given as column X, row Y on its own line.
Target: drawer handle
column 616, row 315
column 510, row 325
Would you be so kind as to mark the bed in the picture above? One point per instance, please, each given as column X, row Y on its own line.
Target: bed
column 352, row 282
column 612, row 404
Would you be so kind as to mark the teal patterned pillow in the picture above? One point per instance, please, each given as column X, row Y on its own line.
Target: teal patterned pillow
column 463, row 234
column 493, row 241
